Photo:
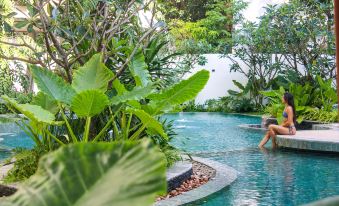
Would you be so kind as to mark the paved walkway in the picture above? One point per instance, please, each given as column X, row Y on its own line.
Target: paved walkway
column 319, row 140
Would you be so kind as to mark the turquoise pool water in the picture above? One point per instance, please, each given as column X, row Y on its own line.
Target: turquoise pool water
column 11, row 138
column 266, row 177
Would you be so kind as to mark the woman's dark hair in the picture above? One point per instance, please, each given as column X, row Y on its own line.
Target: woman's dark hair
column 288, row 97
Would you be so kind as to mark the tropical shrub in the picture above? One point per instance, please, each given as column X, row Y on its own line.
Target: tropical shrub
column 301, row 101
column 212, row 32
column 191, row 106
column 25, row 165
column 226, row 104
column 127, row 173
column 320, row 115
column 292, row 42
column 311, row 102
column 64, row 36
column 64, row 113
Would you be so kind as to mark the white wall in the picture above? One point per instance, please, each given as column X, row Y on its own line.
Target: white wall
column 220, row 79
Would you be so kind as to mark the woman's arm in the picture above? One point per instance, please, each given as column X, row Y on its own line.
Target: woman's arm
column 285, row 123
column 290, row 114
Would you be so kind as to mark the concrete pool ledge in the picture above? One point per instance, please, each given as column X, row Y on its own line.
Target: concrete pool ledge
column 177, row 174
column 315, row 140
column 224, row 176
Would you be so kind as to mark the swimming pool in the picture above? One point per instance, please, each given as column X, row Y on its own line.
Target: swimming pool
column 267, row 177
column 12, row 137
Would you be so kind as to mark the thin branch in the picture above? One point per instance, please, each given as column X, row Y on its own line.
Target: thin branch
column 123, row 67
column 30, row 61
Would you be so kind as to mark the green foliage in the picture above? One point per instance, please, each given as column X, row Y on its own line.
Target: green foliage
column 93, row 75
column 311, row 102
column 92, row 114
column 321, row 115
column 53, row 85
column 303, row 33
column 138, row 70
column 45, row 102
column 212, row 33
column 20, row 97
column 34, row 112
column 190, row 106
column 25, row 165
column 95, row 174
column 292, row 42
column 148, row 122
column 179, row 93
column 89, row 103
column 228, row 104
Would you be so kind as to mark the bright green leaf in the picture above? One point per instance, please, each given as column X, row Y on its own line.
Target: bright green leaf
column 93, row 75
column 33, row 112
column 136, row 94
column 149, row 122
column 139, row 70
column 52, row 85
column 100, row 174
column 181, row 92
column 89, row 103
column 45, row 102
column 21, row 24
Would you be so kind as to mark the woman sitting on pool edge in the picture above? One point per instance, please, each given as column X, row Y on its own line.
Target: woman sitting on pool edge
column 288, row 125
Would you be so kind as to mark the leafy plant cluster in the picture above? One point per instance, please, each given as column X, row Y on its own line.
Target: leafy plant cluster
column 120, row 173
column 228, row 104
column 292, row 42
column 312, row 102
column 86, row 111
column 104, row 81
column 212, row 32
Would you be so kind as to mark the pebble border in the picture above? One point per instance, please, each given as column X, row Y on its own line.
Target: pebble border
column 224, row 176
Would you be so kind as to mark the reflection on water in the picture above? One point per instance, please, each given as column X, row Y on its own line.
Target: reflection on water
column 266, row 177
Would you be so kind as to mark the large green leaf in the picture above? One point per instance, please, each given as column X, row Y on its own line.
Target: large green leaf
column 45, row 102
column 119, row 87
column 136, row 94
column 149, row 122
column 100, row 174
column 93, row 75
column 33, row 112
column 52, row 85
column 238, row 84
column 181, row 92
column 89, row 103
column 139, row 70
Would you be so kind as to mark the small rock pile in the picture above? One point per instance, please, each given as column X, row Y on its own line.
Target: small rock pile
column 201, row 175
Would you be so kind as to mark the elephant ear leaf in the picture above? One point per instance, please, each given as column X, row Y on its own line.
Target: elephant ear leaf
column 46, row 102
column 52, row 85
column 89, row 103
column 149, row 122
column 181, row 92
column 94, row 75
column 33, row 112
column 136, row 94
column 100, row 174
column 139, row 70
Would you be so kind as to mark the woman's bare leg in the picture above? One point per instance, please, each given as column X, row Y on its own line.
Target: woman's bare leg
column 272, row 131
column 276, row 129
column 264, row 140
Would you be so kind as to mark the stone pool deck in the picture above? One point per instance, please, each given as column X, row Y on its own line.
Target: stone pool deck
column 316, row 140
